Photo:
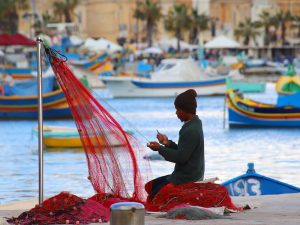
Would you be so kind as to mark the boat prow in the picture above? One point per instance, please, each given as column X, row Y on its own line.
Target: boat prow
column 252, row 184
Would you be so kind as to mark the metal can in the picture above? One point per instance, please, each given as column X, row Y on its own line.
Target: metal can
column 127, row 213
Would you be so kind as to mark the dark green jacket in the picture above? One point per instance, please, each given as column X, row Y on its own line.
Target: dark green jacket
column 188, row 154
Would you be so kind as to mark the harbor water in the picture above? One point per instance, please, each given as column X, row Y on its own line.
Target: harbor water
column 227, row 151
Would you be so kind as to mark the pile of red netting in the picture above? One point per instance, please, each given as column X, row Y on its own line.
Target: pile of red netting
column 64, row 208
column 195, row 194
column 116, row 166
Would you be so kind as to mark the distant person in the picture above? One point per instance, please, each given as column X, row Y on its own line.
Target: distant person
column 188, row 154
column 6, row 84
column 7, row 79
column 131, row 58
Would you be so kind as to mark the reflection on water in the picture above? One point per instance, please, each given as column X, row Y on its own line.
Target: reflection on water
column 227, row 151
column 64, row 149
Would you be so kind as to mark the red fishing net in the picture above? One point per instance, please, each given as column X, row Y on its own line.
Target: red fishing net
column 64, row 208
column 116, row 166
column 194, row 194
column 112, row 154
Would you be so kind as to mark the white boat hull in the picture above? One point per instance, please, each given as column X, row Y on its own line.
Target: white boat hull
column 124, row 88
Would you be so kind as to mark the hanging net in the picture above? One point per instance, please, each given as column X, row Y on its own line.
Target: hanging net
column 112, row 154
column 116, row 166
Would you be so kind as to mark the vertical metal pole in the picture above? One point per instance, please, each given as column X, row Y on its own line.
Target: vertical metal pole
column 40, row 120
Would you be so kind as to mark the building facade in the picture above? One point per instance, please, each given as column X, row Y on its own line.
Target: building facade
column 113, row 19
column 110, row 19
column 227, row 14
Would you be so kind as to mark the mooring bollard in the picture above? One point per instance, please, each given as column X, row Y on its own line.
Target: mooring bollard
column 127, row 213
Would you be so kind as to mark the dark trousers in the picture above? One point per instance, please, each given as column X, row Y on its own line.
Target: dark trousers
column 153, row 186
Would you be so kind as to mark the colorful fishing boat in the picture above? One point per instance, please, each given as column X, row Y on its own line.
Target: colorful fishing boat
column 246, row 112
column 172, row 77
column 26, row 107
column 92, row 62
column 18, row 73
column 56, row 136
column 252, row 184
column 288, row 83
column 65, row 137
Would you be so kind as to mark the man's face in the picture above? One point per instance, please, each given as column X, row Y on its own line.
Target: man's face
column 181, row 115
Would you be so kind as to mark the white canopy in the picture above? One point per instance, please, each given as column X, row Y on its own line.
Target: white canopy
column 104, row 44
column 89, row 43
column 222, row 42
column 101, row 44
column 75, row 40
column 153, row 50
column 171, row 70
column 165, row 43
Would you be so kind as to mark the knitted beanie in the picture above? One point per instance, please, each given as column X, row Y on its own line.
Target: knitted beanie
column 186, row 101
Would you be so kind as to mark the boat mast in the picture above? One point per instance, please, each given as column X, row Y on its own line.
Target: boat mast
column 40, row 120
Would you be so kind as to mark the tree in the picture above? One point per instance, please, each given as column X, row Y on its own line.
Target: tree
column 198, row 24
column 248, row 30
column 177, row 21
column 282, row 17
column 65, row 9
column 266, row 21
column 9, row 17
column 40, row 26
column 150, row 12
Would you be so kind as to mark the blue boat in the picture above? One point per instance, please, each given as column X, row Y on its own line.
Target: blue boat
column 252, row 184
column 29, row 87
column 60, row 111
column 87, row 63
column 26, row 107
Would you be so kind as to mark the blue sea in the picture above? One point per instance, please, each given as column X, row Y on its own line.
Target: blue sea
column 275, row 152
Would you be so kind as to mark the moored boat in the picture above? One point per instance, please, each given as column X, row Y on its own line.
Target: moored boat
column 252, row 183
column 288, row 83
column 56, row 136
column 243, row 111
column 26, row 107
column 172, row 77
column 66, row 137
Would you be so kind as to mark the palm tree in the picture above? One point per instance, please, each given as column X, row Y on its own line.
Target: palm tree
column 9, row 17
column 282, row 17
column 248, row 30
column 150, row 12
column 40, row 26
column 198, row 24
column 66, row 9
column 177, row 20
column 266, row 21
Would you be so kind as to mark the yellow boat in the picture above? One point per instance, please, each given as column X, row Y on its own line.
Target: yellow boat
column 63, row 137
column 58, row 136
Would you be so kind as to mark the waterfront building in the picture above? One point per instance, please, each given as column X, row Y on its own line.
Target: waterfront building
column 114, row 19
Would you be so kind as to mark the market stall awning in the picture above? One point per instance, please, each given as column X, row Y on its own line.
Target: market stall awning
column 15, row 39
column 222, row 42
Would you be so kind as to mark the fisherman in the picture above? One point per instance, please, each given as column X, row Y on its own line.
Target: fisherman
column 188, row 154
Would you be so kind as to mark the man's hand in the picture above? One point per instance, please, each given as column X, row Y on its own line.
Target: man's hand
column 163, row 139
column 153, row 145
